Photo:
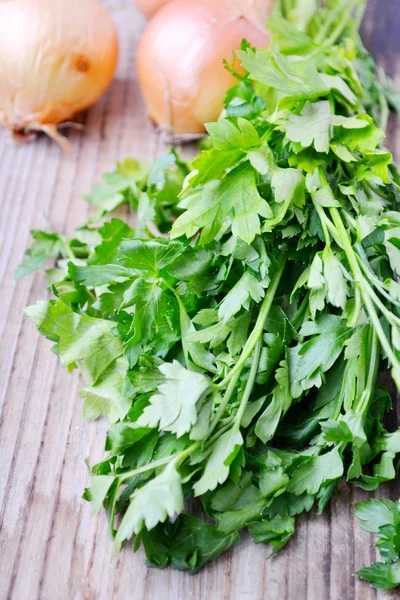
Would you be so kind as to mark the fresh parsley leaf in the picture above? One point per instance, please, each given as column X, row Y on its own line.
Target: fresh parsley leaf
column 107, row 396
column 216, row 470
column 276, row 531
column 45, row 246
column 248, row 507
column 298, row 80
column 246, row 289
column 151, row 504
column 314, row 471
column 174, row 407
column 99, row 488
column 225, row 135
column 236, row 197
column 149, row 255
column 382, row 517
column 188, row 545
column 81, row 341
column 112, row 233
column 382, row 576
column 375, row 514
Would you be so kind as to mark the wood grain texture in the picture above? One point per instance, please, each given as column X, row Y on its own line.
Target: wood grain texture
column 51, row 549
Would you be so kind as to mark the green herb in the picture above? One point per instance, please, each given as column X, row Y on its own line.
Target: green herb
column 237, row 358
column 382, row 517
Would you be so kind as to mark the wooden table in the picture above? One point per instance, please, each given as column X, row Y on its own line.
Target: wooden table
column 51, row 549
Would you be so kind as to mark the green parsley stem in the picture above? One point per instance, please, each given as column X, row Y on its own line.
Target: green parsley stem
column 68, row 249
column 365, row 399
column 150, row 466
column 300, row 316
column 366, row 187
column 337, row 32
column 148, row 232
column 184, row 319
column 373, row 368
column 351, row 222
column 225, row 401
column 259, row 325
column 302, row 312
column 181, row 456
column 347, row 246
column 328, row 225
column 391, row 317
column 323, row 219
column 334, row 232
column 249, row 384
column 377, row 283
column 208, row 445
column 346, row 17
column 177, row 458
column 381, row 334
column 338, row 408
column 323, row 32
column 218, row 434
column 364, row 287
column 357, row 306
column 384, row 112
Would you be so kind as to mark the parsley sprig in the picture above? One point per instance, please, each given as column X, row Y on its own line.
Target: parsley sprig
column 382, row 517
column 236, row 358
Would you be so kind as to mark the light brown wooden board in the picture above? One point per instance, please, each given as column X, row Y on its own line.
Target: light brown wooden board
column 51, row 549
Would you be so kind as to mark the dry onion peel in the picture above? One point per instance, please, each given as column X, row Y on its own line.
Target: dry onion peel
column 180, row 56
column 57, row 58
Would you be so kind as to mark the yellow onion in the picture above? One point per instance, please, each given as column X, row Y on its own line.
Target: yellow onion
column 57, row 57
column 150, row 7
column 180, row 58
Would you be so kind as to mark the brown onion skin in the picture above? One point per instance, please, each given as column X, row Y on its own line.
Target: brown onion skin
column 180, row 56
column 150, row 7
column 68, row 58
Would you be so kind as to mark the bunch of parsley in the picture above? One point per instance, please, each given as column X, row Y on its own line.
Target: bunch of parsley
column 237, row 358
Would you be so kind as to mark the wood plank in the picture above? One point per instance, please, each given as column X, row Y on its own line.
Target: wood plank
column 50, row 546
